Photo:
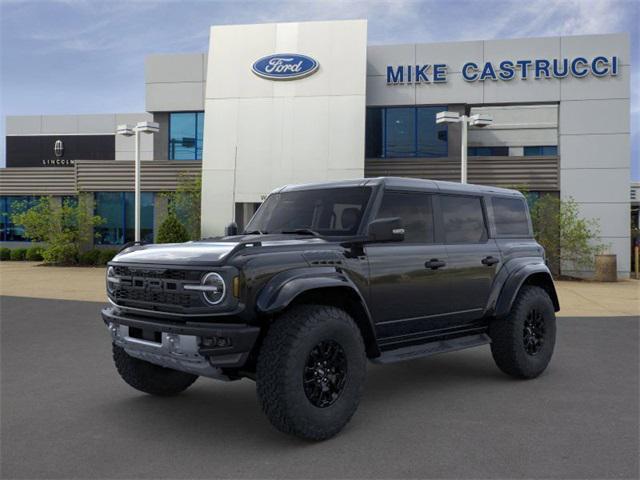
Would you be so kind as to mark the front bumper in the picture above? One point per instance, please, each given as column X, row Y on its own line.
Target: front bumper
column 194, row 347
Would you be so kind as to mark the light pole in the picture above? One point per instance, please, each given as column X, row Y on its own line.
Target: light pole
column 477, row 120
column 128, row 131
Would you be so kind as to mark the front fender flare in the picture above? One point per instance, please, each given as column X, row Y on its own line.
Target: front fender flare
column 517, row 278
column 286, row 286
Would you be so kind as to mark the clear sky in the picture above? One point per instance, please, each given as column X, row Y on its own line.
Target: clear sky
column 84, row 56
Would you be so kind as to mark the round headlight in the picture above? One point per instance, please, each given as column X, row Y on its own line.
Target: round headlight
column 214, row 288
column 111, row 276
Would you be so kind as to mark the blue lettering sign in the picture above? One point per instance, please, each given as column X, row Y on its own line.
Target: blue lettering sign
column 421, row 76
column 397, row 76
column 285, row 66
column 470, row 71
column 439, row 73
column 524, row 69
column 579, row 67
column 507, row 71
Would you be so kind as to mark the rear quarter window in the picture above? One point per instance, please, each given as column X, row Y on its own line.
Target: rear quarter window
column 510, row 217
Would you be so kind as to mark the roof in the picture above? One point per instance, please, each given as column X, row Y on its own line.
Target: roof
column 406, row 183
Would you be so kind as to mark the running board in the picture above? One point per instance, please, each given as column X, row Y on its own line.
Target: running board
column 432, row 348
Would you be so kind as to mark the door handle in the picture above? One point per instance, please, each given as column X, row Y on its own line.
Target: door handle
column 434, row 264
column 489, row 261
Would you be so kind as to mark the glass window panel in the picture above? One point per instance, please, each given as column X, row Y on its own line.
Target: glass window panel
column 199, row 134
column 146, row 216
column 532, row 151
column 510, row 216
column 551, row 150
column 432, row 137
column 463, row 219
column 109, row 206
column 182, row 136
column 414, row 209
column 374, row 131
column 400, row 132
column 13, row 232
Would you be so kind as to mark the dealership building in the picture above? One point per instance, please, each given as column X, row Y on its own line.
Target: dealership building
column 275, row 104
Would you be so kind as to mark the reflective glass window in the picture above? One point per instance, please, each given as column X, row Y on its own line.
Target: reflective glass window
column 117, row 209
column 432, row 137
column 541, row 151
column 414, row 210
column 400, row 132
column 463, row 219
column 510, row 216
column 9, row 205
column 185, row 135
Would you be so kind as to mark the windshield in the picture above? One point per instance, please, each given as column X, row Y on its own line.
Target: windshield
column 327, row 212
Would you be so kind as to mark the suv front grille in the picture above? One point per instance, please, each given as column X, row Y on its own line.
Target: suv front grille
column 159, row 289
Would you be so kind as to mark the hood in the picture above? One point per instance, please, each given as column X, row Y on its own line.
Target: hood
column 208, row 252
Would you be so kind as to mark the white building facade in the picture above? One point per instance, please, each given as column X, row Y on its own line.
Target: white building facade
column 274, row 104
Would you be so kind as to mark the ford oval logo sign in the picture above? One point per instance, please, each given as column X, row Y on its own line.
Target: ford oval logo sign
column 285, row 66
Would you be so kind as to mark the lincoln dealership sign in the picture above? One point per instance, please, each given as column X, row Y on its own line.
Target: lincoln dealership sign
column 506, row 70
column 58, row 150
column 285, row 66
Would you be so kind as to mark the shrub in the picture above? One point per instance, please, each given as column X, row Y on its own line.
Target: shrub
column 34, row 254
column 63, row 227
column 172, row 231
column 90, row 257
column 106, row 256
column 570, row 241
column 184, row 203
column 61, row 254
column 5, row 254
column 18, row 254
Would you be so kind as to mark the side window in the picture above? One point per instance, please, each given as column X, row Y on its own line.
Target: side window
column 510, row 216
column 463, row 219
column 414, row 209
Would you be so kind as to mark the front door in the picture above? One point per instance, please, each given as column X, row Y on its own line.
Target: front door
column 407, row 279
column 473, row 257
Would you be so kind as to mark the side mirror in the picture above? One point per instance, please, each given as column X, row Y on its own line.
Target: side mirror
column 385, row 230
column 231, row 229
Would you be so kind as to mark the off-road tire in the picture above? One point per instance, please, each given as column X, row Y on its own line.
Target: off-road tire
column 150, row 378
column 507, row 335
column 281, row 365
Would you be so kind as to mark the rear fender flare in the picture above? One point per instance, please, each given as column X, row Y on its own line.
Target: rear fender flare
column 538, row 271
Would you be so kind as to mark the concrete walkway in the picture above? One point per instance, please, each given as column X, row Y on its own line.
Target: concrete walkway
column 30, row 279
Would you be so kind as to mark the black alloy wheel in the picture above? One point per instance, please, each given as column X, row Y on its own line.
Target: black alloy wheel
column 533, row 332
column 325, row 373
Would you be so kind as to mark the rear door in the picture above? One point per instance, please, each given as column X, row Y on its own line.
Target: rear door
column 474, row 258
column 404, row 290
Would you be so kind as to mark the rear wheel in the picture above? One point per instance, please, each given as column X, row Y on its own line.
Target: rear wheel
column 522, row 343
column 150, row 378
column 311, row 371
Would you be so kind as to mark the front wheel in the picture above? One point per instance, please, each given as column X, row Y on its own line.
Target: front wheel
column 311, row 371
column 522, row 343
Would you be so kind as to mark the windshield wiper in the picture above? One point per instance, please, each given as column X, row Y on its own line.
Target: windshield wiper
column 303, row 231
column 254, row 232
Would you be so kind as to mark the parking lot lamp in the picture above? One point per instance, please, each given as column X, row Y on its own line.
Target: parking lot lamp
column 477, row 120
column 128, row 131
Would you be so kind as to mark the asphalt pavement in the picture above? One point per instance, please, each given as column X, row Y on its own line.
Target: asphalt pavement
column 65, row 413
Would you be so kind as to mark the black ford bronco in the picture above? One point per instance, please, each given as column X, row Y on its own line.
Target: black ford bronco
column 326, row 277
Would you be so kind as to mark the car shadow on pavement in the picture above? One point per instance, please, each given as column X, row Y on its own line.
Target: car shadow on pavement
column 231, row 410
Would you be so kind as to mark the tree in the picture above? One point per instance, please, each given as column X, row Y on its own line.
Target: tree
column 184, row 203
column 172, row 231
column 570, row 241
column 63, row 227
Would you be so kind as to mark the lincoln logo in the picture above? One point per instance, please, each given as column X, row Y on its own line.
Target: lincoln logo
column 58, row 148
column 285, row 66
